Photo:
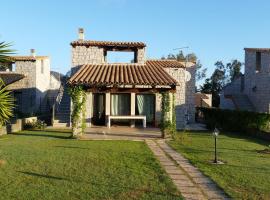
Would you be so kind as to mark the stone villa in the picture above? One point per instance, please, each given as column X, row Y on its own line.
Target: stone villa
column 118, row 92
column 250, row 91
column 33, row 84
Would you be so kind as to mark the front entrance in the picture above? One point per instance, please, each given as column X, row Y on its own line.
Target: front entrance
column 99, row 109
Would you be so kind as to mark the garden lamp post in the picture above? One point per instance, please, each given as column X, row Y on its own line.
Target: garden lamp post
column 215, row 134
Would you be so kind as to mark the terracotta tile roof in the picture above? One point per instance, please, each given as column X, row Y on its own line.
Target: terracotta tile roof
column 107, row 43
column 258, row 49
column 27, row 58
column 122, row 74
column 10, row 77
column 165, row 63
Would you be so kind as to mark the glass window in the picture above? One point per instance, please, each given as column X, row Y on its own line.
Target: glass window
column 145, row 105
column 120, row 104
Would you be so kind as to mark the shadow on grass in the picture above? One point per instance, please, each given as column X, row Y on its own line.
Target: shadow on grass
column 43, row 134
column 71, row 147
column 58, row 130
column 42, row 175
column 136, row 190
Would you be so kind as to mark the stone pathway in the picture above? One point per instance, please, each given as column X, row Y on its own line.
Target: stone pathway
column 192, row 184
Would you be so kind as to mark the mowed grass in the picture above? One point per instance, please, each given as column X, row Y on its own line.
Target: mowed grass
column 48, row 165
column 246, row 174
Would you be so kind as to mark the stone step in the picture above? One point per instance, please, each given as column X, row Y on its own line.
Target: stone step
column 56, row 124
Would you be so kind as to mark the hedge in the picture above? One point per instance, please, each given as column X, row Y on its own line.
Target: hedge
column 235, row 120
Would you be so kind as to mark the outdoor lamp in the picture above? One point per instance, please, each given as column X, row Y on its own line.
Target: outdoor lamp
column 215, row 134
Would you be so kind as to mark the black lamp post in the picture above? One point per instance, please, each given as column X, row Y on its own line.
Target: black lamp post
column 215, row 134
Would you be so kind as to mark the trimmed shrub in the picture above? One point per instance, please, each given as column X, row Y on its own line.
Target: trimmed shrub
column 235, row 120
column 36, row 125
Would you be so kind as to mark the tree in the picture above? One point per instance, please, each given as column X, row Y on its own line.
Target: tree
column 6, row 100
column 222, row 75
column 6, row 104
column 234, row 68
column 5, row 52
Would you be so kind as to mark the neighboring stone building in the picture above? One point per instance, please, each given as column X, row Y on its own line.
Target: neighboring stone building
column 128, row 89
column 203, row 100
column 33, row 91
column 250, row 91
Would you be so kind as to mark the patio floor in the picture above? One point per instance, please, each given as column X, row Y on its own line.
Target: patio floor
column 121, row 133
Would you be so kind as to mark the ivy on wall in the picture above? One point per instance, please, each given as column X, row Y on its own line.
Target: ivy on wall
column 168, row 124
column 78, row 97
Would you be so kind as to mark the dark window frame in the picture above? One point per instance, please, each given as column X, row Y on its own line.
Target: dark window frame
column 258, row 61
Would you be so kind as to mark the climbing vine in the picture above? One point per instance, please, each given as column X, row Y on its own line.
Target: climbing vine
column 78, row 98
column 168, row 126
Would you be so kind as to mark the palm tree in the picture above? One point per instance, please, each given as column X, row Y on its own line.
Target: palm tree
column 5, row 52
column 6, row 100
column 6, row 104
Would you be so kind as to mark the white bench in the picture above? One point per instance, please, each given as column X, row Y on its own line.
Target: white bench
column 132, row 117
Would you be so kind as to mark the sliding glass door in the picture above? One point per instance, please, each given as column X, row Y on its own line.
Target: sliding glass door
column 120, row 104
column 145, row 105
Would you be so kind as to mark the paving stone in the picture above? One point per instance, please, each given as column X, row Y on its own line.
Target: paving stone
column 165, row 164
column 193, row 196
column 202, row 180
column 181, row 183
column 179, row 177
column 173, row 172
column 171, row 167
column 190, row 190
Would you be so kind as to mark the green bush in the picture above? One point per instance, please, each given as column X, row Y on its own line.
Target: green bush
column 235, row 120
column 37, row 125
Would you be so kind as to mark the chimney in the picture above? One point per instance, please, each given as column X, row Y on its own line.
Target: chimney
column 33, row 52
column 81, row 34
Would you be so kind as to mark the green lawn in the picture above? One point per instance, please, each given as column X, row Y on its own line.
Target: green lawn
column 48, row 165
column 246, row 174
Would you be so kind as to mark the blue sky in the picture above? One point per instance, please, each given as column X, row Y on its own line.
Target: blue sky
column 213, row 29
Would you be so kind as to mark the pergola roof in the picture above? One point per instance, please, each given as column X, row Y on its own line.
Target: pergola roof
column 97, row 75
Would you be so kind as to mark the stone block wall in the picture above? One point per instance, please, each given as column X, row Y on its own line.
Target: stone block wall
column 81, row 55
column 256, row 82
column 226, row 103
column 235, row 87
column 184, row 96
column 32, row 89
column 141, row 56
column 28, row 69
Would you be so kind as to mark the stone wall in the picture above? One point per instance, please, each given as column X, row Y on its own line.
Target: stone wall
column 235, row 87
column 185, row 95
column 141, row 56
column 226, row 103
column 32, row 89
column 256, row 82
column 203, row 100
column 25, row 89
column 81, row 55
column 12, row 127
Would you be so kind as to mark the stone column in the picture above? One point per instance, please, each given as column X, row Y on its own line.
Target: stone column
column 107, row 106
column 89, row 107
column 132, row 107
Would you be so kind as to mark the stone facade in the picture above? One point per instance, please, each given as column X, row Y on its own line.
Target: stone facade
column 30, row 92
column 257, row 82
column 253, row 84
column 203, row 100
column 81, row 55
column 185, row 95
column 141, row 56
column 185, row 91
column 90, row 55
